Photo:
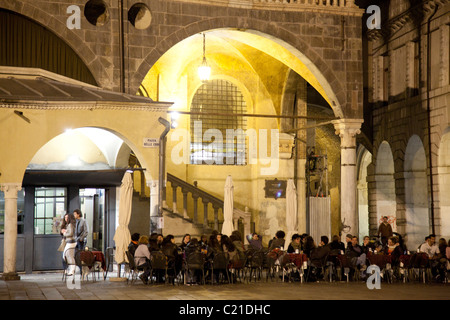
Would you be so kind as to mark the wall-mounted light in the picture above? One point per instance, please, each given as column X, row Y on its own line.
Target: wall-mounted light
column 204, row 70
column 20, row 114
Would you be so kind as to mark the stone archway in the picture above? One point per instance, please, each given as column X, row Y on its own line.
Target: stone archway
column 385, row 186
column 56, row 24
column 416, row 193
column 294, row 52
column 444, row 185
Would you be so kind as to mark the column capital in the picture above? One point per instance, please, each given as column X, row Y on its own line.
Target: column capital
column 347, row 129
column 10, row 189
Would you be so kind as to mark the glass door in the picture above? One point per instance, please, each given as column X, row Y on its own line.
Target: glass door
column 92, row 205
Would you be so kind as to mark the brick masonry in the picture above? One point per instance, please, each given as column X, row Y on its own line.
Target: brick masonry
column 331, row 41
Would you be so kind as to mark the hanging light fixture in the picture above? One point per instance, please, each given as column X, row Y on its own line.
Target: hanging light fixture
column 204, row 71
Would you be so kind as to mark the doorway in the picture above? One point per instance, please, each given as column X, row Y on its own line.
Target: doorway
column 92, row 205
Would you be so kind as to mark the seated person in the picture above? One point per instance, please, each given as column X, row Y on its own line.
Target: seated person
column 319, row 253
column 336, row 246
column 295, row 244
column 309, row 246
column 134, row 243
column 235, row 239
column 394, row 250
column 322, row 250
column 255, row 241
column 356, row 255
column 185, row 241
column 153, row 245
column 278, row 241
column 142, row 258
column 170, row 250
column 432, row 250
column 193, row 246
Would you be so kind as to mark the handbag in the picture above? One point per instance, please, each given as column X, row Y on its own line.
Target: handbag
column 62, row 245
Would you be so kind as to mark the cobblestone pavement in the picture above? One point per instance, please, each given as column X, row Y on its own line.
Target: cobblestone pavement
column 49, row 286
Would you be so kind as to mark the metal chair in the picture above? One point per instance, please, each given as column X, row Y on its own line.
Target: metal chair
column 86, row 260
column 255, row 263
column 236, row 268
column 220, row 264
column 195, row 261
column 317, row 264
column 134, row 270
column 109, row 259
column 159, row 263
column 384, row 263
column 269, row 264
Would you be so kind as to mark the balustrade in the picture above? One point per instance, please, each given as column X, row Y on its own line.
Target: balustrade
column 206, row 198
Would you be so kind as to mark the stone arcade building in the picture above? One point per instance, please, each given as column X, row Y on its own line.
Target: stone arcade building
column 370, row 102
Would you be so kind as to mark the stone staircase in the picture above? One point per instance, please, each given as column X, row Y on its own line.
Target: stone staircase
column 181, row 219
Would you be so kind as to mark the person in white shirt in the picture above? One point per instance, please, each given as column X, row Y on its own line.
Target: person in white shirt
column 432, row 250
column 430, row 247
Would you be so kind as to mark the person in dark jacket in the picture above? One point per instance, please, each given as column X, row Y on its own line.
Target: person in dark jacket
column 356, row 254
column 134, row 243
column 170, row 250
column 278, row 241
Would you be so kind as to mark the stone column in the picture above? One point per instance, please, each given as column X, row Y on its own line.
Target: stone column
column 347, row 129
column 10, row 235
column 302, row 110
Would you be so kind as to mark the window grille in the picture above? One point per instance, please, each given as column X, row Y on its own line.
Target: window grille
column 217, row 130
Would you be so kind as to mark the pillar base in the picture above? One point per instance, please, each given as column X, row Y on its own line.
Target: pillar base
column 10, row 276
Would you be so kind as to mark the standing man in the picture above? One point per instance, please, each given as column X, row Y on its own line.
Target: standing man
column 385, row 230
column 81, row 230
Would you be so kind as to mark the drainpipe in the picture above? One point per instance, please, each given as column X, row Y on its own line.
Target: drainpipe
column 121, row 49
column 430, row 154
column 162, row 165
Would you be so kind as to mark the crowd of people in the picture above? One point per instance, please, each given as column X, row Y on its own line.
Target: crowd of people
column 357, row 253
column 141, row 246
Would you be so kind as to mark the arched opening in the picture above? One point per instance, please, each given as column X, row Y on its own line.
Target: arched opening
column 22, row 46
column 272, row 77
column 416, row 193
column 385, row 186
column 81, row 168
column 444, row 185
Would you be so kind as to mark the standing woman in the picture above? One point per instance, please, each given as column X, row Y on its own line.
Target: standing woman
column 68, row 231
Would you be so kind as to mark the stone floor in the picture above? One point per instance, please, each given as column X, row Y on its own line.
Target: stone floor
column 49, row 286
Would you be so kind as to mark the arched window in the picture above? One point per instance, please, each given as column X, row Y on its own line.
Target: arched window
column 217, row 125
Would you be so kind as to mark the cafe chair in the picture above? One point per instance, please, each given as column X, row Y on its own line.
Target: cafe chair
column 317, row 267
column 195, row 261
column 219, row 263
column 236, row 268
column 109, row 258
column 159, row 265
column 86, row 260
column 134, row 270
column 420, row 267
column 384, row 263
column 255, row 264
column 269, row 264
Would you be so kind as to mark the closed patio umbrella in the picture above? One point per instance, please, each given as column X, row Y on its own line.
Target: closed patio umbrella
column 227, row 227
column 291, row 210
column 122, row 236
